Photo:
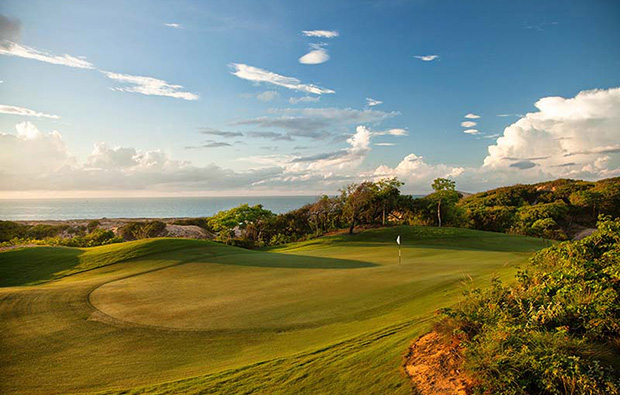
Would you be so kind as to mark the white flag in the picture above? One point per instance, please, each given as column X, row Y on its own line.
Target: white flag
column 398, row 239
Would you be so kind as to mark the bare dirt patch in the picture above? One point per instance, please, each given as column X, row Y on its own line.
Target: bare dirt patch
column 434, row 365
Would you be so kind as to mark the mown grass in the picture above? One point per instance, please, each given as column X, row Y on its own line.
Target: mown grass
column 331, row 315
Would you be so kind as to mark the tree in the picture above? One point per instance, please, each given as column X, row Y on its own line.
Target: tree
column 445, row 190
column 357, row 198
column 387, row 194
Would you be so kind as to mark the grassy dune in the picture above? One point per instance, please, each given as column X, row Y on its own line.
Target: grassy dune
column 331, row 315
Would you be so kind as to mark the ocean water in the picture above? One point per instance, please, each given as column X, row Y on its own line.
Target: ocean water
column 56, row 209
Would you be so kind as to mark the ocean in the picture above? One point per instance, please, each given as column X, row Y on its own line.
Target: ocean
column 62, row 209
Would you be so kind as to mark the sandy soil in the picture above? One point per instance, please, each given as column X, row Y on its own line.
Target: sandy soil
column 433, row 364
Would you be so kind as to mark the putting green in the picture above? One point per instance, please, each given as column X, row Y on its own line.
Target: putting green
column 331, row 315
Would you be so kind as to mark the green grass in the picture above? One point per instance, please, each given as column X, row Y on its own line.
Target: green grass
column 330, row 315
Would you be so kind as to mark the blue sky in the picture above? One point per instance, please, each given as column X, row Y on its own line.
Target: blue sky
column 490, row 58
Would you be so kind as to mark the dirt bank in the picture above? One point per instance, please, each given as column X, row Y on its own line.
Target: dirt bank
column 434, row 365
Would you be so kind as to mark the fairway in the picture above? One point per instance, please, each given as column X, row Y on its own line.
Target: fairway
column 329, row 315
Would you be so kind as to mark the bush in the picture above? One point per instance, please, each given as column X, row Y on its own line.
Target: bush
column 142, row 230
column 556, row 330
column 11, row 230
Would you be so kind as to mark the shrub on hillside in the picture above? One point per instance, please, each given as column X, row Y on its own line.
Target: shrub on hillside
column 142, row 230
column 11, row 230
column 557, row 330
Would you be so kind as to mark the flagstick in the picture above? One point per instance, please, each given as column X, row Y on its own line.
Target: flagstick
column 399, row 254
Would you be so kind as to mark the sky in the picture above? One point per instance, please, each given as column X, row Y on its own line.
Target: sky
column 218, row 98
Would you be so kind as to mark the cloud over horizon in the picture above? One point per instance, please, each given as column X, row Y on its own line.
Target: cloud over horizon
column 566, row 137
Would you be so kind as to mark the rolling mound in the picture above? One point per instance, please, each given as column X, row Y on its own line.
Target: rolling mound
column 328, row 315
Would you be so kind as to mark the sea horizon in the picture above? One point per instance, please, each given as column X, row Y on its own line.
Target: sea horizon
column 48, row 209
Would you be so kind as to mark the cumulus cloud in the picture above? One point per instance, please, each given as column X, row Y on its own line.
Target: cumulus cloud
column 30, row 156
column 472, row 116
column 416, row 172
column 257, row 75
column 385, row 144
column 427, row 58
column 13, row 110
column 150, row 86
column 33, row 160
column 304, row 99
column 584, row 128
column 370, row 102
column 471, row 131
column 173, row 25
column 468, row 124
column 321, row 33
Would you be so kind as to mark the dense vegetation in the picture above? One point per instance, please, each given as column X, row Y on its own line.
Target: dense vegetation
column 552, row 210
column 556, row 330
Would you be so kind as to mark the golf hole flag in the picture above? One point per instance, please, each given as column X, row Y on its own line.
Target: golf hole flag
column 398, row 240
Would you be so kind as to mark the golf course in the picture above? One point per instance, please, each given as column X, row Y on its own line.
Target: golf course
column 333, row 314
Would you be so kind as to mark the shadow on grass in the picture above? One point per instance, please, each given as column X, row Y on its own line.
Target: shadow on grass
column 34, row 265
column 266, row 259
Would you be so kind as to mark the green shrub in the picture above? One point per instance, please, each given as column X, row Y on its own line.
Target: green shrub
column 556, row 330
column 142, row 230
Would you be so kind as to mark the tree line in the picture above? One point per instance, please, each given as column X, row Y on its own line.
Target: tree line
column 553, row 210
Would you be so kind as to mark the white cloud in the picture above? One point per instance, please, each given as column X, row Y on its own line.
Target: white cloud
column 427, row 58
column 30, row 157
column 317, row 56
column 33, row 160
column 370, row 102
column 321, row 33
column 267, row 96
column 471, row 131
column 385, row 144
column 304, row 99
column 563, row 138
column 255, row 74
column 150, row 86
column 575, row 137
column 468, row 124
column 569, row 138
column 13, row 110
column 23, row 51
column 415, row 172
column 472, row 116
column 173, row 25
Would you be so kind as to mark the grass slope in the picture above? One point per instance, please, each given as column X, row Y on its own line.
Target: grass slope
column 331, row 315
